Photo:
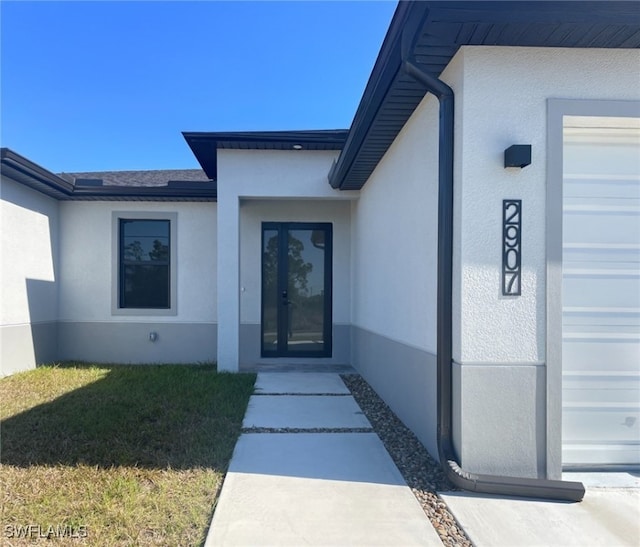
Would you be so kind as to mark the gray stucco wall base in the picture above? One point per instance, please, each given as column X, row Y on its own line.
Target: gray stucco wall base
column 499, row 424
column 250, row 334
column 404, row 376
column 128, row 342
column 23, row 347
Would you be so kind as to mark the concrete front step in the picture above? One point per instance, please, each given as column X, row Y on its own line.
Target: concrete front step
column 299, row 383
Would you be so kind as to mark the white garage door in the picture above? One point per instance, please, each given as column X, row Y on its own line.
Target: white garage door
column 601, row 291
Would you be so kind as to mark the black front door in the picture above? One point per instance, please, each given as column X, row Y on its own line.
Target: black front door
column 296, row 289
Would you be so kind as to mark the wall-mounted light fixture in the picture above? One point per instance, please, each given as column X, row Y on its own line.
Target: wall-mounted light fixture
column 153, row 336
column 517, row 155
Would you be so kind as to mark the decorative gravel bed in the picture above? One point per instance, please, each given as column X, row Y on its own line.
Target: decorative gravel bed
column 423, row 475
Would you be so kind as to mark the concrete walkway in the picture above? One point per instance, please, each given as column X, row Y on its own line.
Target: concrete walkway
column 309, row 470
column 313, row 487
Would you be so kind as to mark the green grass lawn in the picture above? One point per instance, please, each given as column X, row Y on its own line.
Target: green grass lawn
column 124, row 455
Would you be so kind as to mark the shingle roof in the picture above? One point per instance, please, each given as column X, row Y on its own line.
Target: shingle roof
column 163, row 185
column 137, row 178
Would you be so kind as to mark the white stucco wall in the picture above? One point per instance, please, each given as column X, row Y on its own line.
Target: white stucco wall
column 277, row 173
column 503, row 101
column 394, row 275
column 29, row 271
column 29, row 226
column 394, row 237
column 86, row 284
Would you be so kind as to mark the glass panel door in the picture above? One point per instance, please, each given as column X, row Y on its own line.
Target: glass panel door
column 270, row 253
column 296, row 289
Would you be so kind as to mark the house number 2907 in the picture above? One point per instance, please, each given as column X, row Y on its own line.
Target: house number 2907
column 511, row 247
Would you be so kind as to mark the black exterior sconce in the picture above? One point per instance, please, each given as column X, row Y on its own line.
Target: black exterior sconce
column 517, row 155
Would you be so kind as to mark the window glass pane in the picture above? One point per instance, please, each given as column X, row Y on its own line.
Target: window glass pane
column 145, row 228
column 146, row 286
column 145, row 240
column 146, row 249
column 144, row 263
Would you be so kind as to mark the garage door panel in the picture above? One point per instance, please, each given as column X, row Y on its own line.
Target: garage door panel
column 597, row 454
column 602, row 155
column 613, row 226
column 601, row 187
column 600, row 423
column 592, row 389
column 601, row 290
column 601, row 333
column 628, row 256
column 593, row 354
column 599, row 264
column 608, row 318
column 594, row 399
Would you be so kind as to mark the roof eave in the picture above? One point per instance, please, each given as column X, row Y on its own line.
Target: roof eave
column 205, row 145
column 435, row 21
column 24, row 171
column 384, row 71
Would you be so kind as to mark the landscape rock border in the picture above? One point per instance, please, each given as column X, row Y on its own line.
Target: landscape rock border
column 420, row 471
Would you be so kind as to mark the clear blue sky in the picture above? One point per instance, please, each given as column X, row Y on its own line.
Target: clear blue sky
column 90, row 86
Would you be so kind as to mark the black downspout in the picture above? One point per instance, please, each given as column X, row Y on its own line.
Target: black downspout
column 510, row 486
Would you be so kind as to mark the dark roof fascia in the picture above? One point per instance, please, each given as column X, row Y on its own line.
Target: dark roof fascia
column 327, row 137
column 207, row 191
column 197, row 191
column 540, row 11
column 437, row 21
column 205, row 144
column 24, row 171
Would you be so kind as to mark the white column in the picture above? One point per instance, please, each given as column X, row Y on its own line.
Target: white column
column 228, row 280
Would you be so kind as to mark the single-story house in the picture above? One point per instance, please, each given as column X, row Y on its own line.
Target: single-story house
column 471, row 245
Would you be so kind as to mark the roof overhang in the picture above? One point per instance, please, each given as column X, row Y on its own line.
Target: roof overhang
column 205, row 145
column 20, row 169
column 430, row 33
column 24, row 171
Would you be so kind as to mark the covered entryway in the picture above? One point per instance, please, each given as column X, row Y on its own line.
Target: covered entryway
column 601, row 291
column 295, row 283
